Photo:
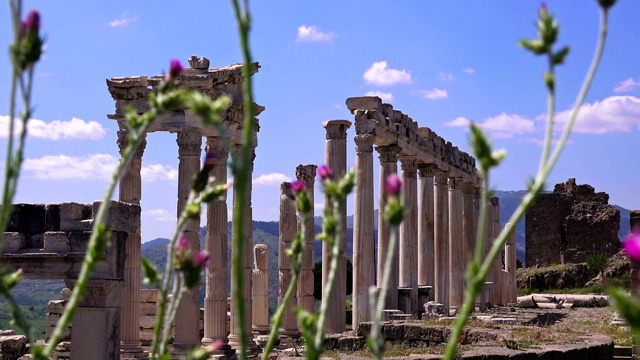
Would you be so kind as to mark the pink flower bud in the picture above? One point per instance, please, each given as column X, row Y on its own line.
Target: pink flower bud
column 297, row 187
column 183, row 243
column 631, row 245
column 325, row 172
column 32, row 22
column 392, row 185
column 175, row 69
column 202, row 259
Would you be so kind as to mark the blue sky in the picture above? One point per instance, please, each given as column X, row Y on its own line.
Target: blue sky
column 442, row 63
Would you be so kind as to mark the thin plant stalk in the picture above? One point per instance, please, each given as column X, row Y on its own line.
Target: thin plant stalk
column 536, row 187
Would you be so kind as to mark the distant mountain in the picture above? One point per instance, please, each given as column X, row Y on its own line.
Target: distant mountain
column 153, row 243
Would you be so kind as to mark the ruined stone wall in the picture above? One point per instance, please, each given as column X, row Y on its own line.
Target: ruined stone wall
column 570, row 224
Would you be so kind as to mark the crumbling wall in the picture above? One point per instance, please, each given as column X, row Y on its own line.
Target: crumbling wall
column 570, row 224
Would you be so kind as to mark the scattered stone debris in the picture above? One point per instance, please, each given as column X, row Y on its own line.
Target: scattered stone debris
column 12, row 346
column 560, row 301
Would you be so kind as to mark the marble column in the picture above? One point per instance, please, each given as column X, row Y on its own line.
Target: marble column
column 336, row 159
column 425, row 226
column 409, row 233
column 287, row 227
column 388, row 165
column 188, row 318
column 497, row 265
column 306, row 301
column 441, row 238
column 260, row 290
column 245, row 262
column 510, row 265
column 363, row 236
column 456, row 244
column 217, row 285
column 468, row 224
column 130, row 190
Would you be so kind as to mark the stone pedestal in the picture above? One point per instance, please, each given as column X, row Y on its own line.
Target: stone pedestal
column 441, row 238
column 336, row 159
column 260, row 290
column 388, row 165
column 425, row 228
column 187, row 319
column 130, row 190
column 363, row 237
column 456, row 244
column 217, row 285
column 306, row 301
column 287, row 235
column 409, row 230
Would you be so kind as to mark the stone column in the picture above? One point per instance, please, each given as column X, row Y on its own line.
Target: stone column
column 441, row 238
column 363, row 237
column 510, row 265
column 245, row 263
column 288, row 231
column 388, row 165
column 217, row 285
column 130, row 190
column 456, row 244
column 497, row 265
column 188, row 318
column 260, row 290
column 306, row 301
column 468, row 223
column 336, row 159
column 425, row 227
column 409, row 233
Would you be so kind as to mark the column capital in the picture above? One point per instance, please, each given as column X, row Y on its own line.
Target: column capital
column 364, row 143
column 189, row 143
column 285, row 190
column 427, row 170
column 123, row 141
column 236, row 150
column 408, row 164
column 389, row 153
column 307, row 174
column 219, row 148
column 454, row 183
column 441, row 176
column 468, row 188
column 336, row 129
column 495, row 201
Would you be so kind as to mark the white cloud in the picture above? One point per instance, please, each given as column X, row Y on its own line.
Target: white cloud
column 160, row 215
column 123, row 20
column 382, row 95
column 445, row 76
column 312, row 34
column 613, row 114
column 57, row 129
column 93, row 166
column 271, row 179
column 500, row 126
column 318, row 208
column 469, row 71
column 381, row 75
column 434, row 94
column 627, row 85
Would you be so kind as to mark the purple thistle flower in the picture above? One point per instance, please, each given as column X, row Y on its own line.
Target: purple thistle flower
column 175, row 68
column 202, row 259
column 325, row 172
column 392, row 185
column 31, row 24
column 297, row 187
column 632, row 245
column 183, row 243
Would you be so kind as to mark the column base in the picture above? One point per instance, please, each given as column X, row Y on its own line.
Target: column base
column 260, row 330
column 252, row 349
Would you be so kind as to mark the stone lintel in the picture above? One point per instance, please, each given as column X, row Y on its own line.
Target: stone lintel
column 363, row 103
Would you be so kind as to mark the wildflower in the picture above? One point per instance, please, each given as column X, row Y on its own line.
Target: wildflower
column 175, row 68
column 325, row 172
column 202, row 259
column 392, row 185
column 28, row 49
column 183, row 243
column 31, row 24
column 632, row 245
column 297, row 187
column 209, row 158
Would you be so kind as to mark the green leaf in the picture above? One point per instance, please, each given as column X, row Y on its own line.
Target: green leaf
column 558, row 57
column 627, row 306
column 150, row 272
column 535, row 46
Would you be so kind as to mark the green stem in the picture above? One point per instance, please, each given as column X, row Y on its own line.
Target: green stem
column 551, row 109
column 386, row 275
column 278, row 317
column 527, row 201
column 328, row 288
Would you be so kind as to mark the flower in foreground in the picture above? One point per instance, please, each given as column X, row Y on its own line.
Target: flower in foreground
column 202, row 259
column 297, row 187
column 175, row 68
column 32, row 22
column 392, row 185
column 183, row 243
column 325, row 172
column 632, row 245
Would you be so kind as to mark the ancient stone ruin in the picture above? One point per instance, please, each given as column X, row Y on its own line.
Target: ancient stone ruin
column 570, row 224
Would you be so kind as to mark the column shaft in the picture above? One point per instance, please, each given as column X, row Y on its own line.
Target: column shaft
column 336, row 159
column 510, row 265
column 217, row 285
column 468, row 227
column 363, row 236
column 188, row 318
column 287, row 234
column 456, row 244
column 388, row 165
column 260, row 290
column 425, row 226
column 306, row 301
column 441, row 239
column 409, row 232
column 497, row 265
